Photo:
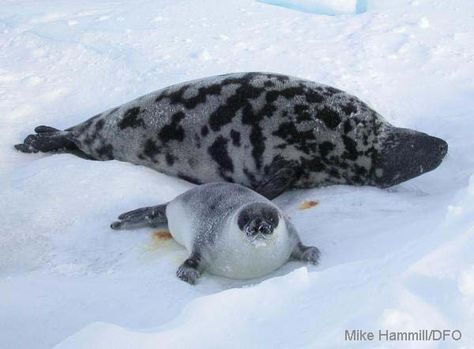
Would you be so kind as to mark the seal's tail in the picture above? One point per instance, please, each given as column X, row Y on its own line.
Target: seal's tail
column 46, row 139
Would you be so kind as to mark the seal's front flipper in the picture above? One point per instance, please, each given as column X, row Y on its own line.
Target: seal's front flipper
column 190, row 270
column 277, row 183
column 152, row 216
column 47, row 139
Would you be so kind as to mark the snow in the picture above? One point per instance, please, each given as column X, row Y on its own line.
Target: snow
column 396, row 259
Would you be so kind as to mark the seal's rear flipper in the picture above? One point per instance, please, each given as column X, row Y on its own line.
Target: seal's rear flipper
column 46, row 129
column 47, row 139
column 152, row 216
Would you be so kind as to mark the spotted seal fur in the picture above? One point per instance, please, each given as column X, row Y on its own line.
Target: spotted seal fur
column 269, row 132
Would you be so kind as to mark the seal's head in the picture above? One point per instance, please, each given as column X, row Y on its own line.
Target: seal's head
column 258, row 221
column 405, row 154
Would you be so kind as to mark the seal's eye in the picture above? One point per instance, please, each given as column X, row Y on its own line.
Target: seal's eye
column 272, row 218
column 244, row 218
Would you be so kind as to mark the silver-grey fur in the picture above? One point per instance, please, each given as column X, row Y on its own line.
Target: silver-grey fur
column 266, row 131
column 228, row 230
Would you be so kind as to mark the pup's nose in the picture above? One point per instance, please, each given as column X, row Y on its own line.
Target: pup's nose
column 265, row 229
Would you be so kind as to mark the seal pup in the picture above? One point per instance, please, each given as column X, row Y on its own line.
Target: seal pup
column 228, row 230
column 266, row 131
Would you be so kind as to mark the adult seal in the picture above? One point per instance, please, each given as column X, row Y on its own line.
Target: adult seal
column 266, row 131
column 228, row 230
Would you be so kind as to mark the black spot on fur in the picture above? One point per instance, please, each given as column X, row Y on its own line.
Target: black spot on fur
column 249, row 91
column 88, row 140
column 235, row 138
column 160, row 97
column 150, row 148
column 314, row 97
column 267, row 111
column 244, row 79
column 301, row 113
column 349, row 108
column 131, row 119
column 304, row 117
column 173, row 131
column 240, row 99
column 201, row 97
column 170, row 159
column 281, row 78
column 226, row 112
column 218, row 151
column 204, row 131
column 300, row 108
column 360, row 170
column 351, row 148
column 176, row 97
column 325, row 148
column 302, row 140
column 250, row 176
column 257, row 139
column 333, row 172
column 99, row 125
column 357, row 179
column 330, row 117
column 106, row 152
column 312, row 165
column 268, row 83
column 248, row 116
column 348, row 126
column 291, row 92
column 331, row 90
column 271, row 96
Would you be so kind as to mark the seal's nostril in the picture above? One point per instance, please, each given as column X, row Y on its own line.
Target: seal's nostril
column 443, row 147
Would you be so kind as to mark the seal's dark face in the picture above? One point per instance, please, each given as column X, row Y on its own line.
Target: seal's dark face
column 406, row 154
column 258, row 221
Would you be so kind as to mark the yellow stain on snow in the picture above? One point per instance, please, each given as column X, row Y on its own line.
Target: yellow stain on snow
column 308, row 204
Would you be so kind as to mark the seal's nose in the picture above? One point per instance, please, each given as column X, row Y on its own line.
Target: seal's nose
column 443, row 147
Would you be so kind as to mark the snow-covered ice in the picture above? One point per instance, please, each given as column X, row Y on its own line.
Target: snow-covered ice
column 397, row 259
column 322, row 7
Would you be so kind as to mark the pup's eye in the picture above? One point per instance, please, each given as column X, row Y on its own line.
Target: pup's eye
column 272, row 219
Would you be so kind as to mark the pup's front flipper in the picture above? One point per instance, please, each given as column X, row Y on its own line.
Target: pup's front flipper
column 190, row 270
column 309, row 254
column 152, row 216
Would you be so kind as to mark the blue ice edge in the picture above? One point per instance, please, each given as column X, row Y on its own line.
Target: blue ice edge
column 319, row 7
